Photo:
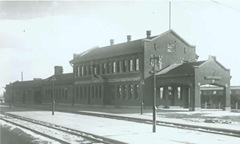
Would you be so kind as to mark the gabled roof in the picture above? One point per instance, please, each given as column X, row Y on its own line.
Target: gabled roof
column 110, row 51
column 120, row 49
column 61, row 77
column 182, row 69
column 174, row 33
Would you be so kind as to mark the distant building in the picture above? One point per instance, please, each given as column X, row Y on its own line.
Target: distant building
column 121, row 75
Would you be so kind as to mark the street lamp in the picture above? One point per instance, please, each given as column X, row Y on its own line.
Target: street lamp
column 154, row 60
column 10, row 95
column 53, row 97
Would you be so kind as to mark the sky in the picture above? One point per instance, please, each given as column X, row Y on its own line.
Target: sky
column 35, row 36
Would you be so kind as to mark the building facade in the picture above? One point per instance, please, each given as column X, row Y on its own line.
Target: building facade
column 122, row 75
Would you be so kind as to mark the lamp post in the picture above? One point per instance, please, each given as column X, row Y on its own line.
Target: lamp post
column 53, row 95
column 154, row 60
column 10, row 95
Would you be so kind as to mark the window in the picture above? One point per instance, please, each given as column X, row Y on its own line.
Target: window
column 66, row 93
column 120, row 66
column 92, row 90
column 170, row 92
column 114, row 67
column 171, row 47
column 95, row 70
column 131, row 65
column 185, row 50
column 89, row 70
column 119, row 92
column 214, row 92
column 136, row 91
column 75, row 71
column 79, row 71
column 137, row 64
column 109, row 68
column 97, row 91
column 104, row 68
column 161, row 92
column 100, row 92
column 125, row 66
column 124, row 92
column 85, row 92
column 179, row 93
column 82, row 69
column 77, row 92
column 130, row 91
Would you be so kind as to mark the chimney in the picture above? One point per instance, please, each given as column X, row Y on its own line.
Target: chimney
column 75, row 55
column 128, row 38
column 58, row 70
column 211, row 57
column 148, row 32
column 111, row 42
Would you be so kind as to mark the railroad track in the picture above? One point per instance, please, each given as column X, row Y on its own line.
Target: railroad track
column 206, row 129
column 52, row 131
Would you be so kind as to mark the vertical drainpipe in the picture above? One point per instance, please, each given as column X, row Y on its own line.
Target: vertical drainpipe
column 72, row 86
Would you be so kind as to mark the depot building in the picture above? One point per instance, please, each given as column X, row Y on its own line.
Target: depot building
column 123, row 75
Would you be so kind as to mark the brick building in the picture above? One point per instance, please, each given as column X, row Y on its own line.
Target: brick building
column 121, row 75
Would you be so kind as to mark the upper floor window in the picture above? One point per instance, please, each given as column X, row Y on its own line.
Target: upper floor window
column 78, row 71
column 89, row 70
column 95, row 70
column 171, row 47
column 185, row 50
column 131, row 65
column 114, row 67
column 82, row 69
column 120, row 66
column 137, row 64
column 109, row 67
column 104, row 68
column 124, row 66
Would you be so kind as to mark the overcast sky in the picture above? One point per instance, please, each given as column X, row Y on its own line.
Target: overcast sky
column 36, row 36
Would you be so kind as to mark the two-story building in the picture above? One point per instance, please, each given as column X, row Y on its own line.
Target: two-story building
column 120, row 74
column 123, row 75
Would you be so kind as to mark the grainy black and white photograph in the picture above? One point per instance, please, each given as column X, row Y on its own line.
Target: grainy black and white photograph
column 120, row 72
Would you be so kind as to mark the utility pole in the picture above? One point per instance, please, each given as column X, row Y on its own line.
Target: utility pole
column 169, row 14
column 154, row 60
column 53, row 95
column 10, row 95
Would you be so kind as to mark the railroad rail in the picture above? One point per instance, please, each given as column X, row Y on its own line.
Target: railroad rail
column 206, row 129
column 83, row 136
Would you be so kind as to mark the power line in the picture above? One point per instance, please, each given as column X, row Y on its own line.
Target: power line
column 225, row 5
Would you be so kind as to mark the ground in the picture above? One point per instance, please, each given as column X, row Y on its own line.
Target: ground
column 131, row 132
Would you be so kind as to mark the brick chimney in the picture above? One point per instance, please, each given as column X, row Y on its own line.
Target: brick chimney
column 111, row 42
column 58, row 70
column 128, row 38
column 148, row 32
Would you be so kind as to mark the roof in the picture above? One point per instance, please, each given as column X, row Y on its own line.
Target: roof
column 30, row 83
column 110, row 51
column 181, row 69
column 219, row 88
column 120, row 49
column 174, row 33
column 61, row 77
